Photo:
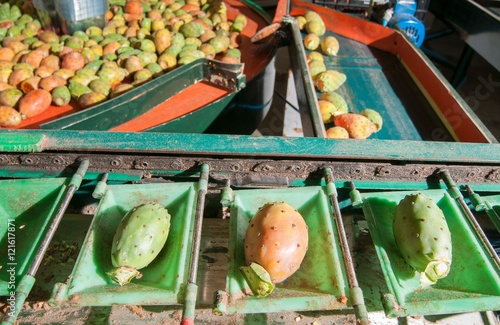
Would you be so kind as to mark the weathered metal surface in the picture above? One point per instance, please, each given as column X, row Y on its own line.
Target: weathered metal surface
column 260, row 172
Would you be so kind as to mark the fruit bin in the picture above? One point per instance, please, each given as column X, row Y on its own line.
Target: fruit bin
column 164, row 280
column 319, row 284
column 165, row 103
column 474, row 278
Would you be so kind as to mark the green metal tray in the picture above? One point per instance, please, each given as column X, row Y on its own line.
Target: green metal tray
column 319, row 284
column 164, row 280
column 473, row 283
column 27, row 208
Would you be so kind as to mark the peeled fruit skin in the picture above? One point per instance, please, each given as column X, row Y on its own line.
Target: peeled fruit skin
column 277, row 240
column 140, row 236
column 423, row 237
column 358, row 126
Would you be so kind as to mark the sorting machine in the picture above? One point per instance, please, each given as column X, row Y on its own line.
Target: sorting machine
column 67, row 181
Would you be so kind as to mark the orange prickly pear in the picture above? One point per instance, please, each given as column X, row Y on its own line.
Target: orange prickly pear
column 276, row 242
column 358, row 126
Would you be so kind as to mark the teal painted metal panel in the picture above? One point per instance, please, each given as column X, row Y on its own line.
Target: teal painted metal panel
column 238, row 145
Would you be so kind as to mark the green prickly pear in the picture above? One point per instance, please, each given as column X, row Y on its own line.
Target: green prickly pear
column 373, row 116
column 277, row 240
column 329, row 80
column 61, row 96
column 140, row 236
column 337, row 100
column 423, row 238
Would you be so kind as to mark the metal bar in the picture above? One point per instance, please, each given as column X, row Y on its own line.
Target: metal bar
column 188, row 312
column 356, row 293
column 455, row 193
column 28, row 280
column 312, row 123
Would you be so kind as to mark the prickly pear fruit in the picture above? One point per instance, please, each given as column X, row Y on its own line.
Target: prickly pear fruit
column 337, row 132
column 316, row 27
column 61, row 96
column 314, row 56
column 9, row 116
column 358, row 126
column 140, row 236
column 277, row 240
column 90, row 99
column 330, row 80
column 316, row 67
column 10, row 97
column 311, row 41
column 373, row 116
column 34, row 103
column 423, row 238
column 337, row 100
column 328, row 111
column 330, row 45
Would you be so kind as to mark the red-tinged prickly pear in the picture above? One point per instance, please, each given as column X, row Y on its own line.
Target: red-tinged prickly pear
column 34, row 103
column 358, row 126
column 330, row 45
column 140, row 236
column 277, row 240
column 337, row 100
column 423, row 237
column 373, row 116
column 337, row 132
column 330, row 80
column 311, row 41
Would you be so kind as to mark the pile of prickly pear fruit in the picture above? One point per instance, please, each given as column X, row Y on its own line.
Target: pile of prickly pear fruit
column 138, row 240
column 423, row 237
column 333, row 107
column 142, row 40
column 276, row 242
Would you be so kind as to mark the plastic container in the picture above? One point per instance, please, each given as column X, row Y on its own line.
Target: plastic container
column 163, row 281
column 473, row 283
column 77, row 15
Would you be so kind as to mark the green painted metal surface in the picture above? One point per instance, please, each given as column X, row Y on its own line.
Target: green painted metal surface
column 164, row 280
column 491, row 205
column 212, row 144
column 319, row 284
column 27, row 208
column 473, row 283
